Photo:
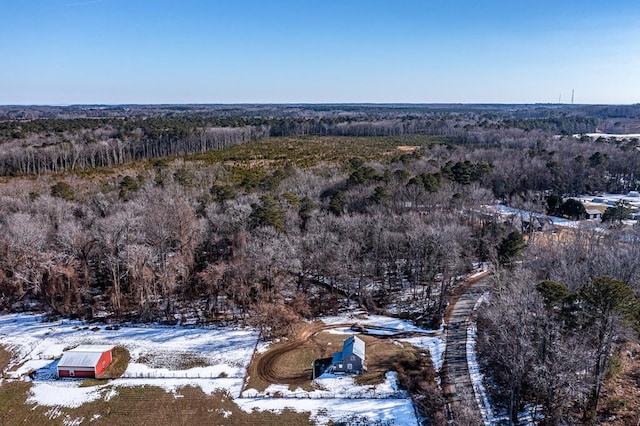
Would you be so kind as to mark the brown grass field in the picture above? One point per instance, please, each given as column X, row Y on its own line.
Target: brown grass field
column 143, row 405
column 5, row 357
column 149, row 405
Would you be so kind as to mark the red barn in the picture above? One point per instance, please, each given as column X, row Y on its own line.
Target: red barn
column 87, row 361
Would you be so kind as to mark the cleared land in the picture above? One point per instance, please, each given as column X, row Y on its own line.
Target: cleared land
column 162, row 379
column 290, row 362
column 144, row 405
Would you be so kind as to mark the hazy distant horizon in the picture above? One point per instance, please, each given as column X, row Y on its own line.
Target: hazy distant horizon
column 303, row 104
column 115, row 52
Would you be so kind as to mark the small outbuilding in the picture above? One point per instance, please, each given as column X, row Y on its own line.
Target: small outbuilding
column 86, row 361
column 351, row 359
column 594, row 214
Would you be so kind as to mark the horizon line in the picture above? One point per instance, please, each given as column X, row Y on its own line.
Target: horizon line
column 64, row 105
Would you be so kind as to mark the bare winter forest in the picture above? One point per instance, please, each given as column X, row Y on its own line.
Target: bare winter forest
column 267, row 215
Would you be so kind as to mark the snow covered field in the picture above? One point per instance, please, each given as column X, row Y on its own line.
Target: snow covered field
column 368, row 411
column 226, row 353
column 338, row 398
column 336, row 386
column 222, row 355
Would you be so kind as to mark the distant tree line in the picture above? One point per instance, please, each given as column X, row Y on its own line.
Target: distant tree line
column 43, row 145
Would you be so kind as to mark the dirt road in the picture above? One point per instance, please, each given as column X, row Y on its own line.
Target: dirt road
column 458, row 388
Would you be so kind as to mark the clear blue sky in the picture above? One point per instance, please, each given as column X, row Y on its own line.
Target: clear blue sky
column 319, row 51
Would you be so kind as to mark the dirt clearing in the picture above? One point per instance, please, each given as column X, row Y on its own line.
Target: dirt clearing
column 291, row 362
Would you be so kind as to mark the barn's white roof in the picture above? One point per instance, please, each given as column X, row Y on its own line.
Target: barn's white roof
column 83, row 356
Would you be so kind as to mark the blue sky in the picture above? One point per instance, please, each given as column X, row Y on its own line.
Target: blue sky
column 312, row 51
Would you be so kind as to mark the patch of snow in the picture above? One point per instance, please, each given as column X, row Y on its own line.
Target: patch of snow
column 324, row 411
column 476, row 376
column 482, row 299
column 340, row 330
column 110, row 393
column 29, row 366
column 208, row 386
column 608, row 135
column 63, row 393
column 263, row 347
column 70, row 393
column 225, row 413
column 362, row 318
column 136, row 370
column 70, row 421
column 335, row 386
column 435, row 345
column 53, row 413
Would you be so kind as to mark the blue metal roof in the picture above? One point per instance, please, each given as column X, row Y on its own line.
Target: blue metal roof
column 353, row 345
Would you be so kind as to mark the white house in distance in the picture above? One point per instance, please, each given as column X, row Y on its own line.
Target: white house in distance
column 86, row 361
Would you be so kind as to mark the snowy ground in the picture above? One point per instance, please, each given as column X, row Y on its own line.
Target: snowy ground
column 608, row 200
column 335, row 386
column 558, row 221
column 157, row 359
column 353, row 411
column 224, row 354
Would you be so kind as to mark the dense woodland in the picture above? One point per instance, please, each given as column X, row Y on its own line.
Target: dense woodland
column 267, row 215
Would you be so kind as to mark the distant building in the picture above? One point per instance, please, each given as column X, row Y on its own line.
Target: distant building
column 536, row 224
column 86, row 361
column 594, row 214
column 351, row 359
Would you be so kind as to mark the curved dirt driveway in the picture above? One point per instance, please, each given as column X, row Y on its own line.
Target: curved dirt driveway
column 267, row 364
column 269, row 368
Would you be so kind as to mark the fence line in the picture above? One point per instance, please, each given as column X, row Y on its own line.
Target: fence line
column 328, row 395
column 174, row 375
